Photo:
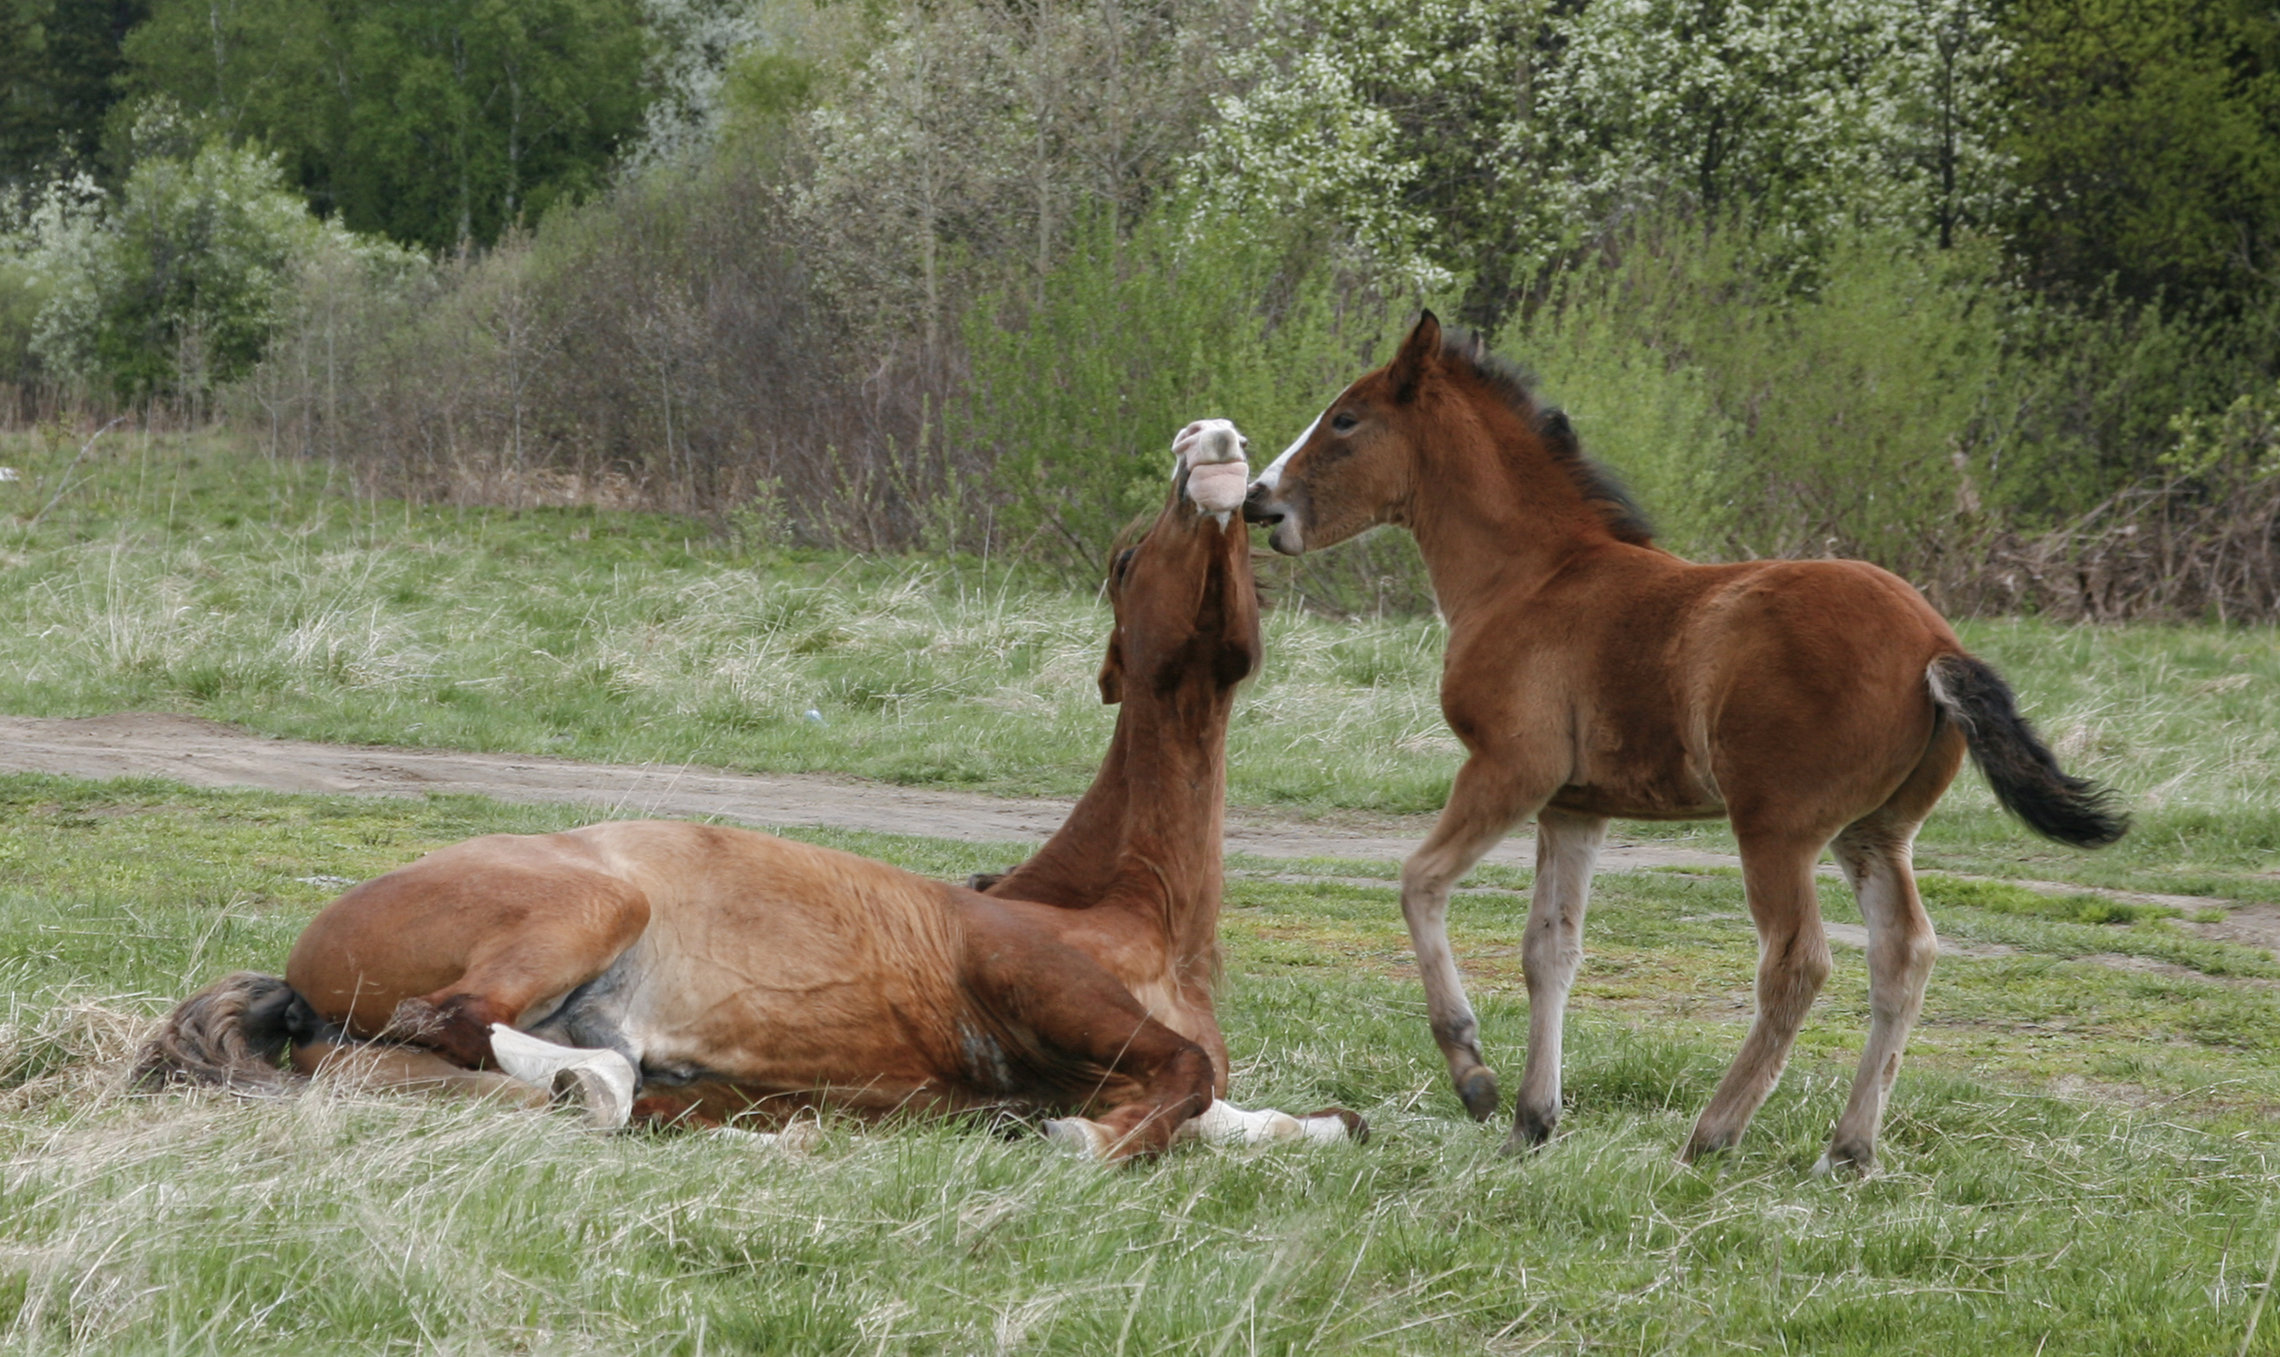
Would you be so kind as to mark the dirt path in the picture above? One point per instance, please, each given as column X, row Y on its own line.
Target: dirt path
column 206, row 754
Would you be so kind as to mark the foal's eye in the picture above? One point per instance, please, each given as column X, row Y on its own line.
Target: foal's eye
column 1343, row 422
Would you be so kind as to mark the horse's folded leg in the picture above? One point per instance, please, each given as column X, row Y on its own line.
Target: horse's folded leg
column 1223, row 1123
column 1334, row 1124
column 1083, row 1138
column 600, row 1081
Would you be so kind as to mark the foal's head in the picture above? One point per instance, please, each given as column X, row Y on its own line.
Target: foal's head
column 1443, row 404
column 1187, row 607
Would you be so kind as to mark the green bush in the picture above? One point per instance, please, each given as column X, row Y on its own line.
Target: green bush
column 1761, row 415
column 177, row 287
column 1079, row 389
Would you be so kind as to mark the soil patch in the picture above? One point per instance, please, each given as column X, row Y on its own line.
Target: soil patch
column 208, row 754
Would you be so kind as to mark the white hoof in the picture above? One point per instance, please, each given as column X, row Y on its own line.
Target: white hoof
column 1824, row 1167
column 602, row 1086
column 1079, row 1137
column 601, row 1081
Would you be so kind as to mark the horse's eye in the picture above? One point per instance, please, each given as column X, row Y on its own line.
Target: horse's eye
column 1343, row 422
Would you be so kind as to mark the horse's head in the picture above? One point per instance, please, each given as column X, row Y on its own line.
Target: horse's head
column 1187, row 607
column 1358, row 462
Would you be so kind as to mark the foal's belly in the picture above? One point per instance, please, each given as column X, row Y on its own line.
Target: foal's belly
column 1641, row 803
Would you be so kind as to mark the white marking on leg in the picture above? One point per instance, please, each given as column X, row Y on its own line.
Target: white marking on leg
column 1901, row 948
column 603, row 1079
column 1566, row 850
column 1081, row 1138
column 1223, row 1123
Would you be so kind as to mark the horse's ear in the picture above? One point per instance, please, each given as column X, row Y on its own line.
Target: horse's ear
column 1418, row 354
column 1112, row 672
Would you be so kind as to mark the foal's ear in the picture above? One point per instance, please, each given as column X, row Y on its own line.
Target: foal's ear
column 1418, row 354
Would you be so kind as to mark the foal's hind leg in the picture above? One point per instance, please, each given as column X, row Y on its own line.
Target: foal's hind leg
column 1566, row 848
column 1875, row 854
column 1793, row 961
column 1486, row 801
column 1901, row 947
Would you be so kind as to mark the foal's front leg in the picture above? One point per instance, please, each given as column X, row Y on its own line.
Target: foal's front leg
column 1489, row 797
column 1567, row 847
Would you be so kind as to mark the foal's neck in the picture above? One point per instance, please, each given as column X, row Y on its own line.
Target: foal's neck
column 1145, row 838
column 1494, row 513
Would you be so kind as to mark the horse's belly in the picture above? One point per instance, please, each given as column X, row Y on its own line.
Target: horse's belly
column 1647, row 802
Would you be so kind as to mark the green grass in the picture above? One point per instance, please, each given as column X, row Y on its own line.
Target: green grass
column 2080, row 1156
column 189, row 576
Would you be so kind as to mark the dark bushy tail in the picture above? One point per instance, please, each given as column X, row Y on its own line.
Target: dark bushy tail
column 234, row 1033
column 2021, row 769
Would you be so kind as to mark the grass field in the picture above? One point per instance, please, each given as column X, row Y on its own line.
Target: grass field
column 2080, row 1157
column 190, row 577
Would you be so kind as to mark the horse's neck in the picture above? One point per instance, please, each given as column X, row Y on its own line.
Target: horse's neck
column 1145, row 838
column 1495, row 518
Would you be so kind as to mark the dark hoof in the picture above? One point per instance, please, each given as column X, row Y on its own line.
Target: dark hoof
column 1846, row 1162
column 1530, row 1129
column 1697, row 1150
column 1478, row 1090
column 1357, row 1130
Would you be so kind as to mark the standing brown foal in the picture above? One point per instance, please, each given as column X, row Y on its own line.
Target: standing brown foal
column 669, row 971
column 1592, row 674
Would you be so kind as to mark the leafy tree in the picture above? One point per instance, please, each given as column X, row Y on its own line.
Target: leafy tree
column 439, row 122
column 57, row 60
column 2147, row 139
column 176, row 287
column 986, row 133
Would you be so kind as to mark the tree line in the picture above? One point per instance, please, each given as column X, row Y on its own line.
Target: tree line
column 1982, row 289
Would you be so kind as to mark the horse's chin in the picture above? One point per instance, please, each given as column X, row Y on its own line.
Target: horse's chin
column 1286, row 537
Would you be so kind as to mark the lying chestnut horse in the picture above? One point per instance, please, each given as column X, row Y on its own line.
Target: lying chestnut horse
column 674, row 971
column 1592, row 674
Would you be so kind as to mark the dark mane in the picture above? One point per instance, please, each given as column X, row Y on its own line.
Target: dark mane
column 1508, row 383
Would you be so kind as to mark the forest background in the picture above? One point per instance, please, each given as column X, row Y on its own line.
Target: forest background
column 1983, row 290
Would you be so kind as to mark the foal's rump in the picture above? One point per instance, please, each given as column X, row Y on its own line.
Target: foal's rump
column 1843, row 665
column 1801, row 683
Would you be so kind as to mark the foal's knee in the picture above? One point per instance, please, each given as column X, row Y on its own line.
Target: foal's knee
column 1799, row 962
column 1424, row 886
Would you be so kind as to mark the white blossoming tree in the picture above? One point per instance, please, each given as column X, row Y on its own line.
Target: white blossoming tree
column 1483, row 139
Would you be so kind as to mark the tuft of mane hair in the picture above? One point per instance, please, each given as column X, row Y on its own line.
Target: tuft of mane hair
column 1504, row 379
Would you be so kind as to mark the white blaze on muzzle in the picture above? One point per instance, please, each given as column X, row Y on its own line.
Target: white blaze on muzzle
column 1272, row 476
column 1288, row 535
column 1211, row 451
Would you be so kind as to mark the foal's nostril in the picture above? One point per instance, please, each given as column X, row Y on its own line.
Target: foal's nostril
column 1255, row 506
